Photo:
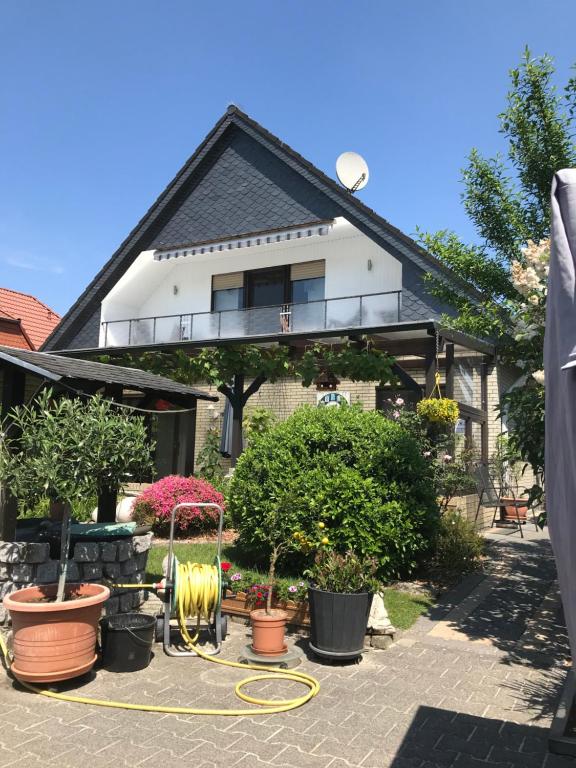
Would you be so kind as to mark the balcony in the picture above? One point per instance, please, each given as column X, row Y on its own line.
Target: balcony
column 345, row 313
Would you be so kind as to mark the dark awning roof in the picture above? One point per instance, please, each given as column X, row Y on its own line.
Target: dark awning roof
column 57, row 368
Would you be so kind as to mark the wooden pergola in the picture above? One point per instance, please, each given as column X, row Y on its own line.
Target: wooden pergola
column 420, row 349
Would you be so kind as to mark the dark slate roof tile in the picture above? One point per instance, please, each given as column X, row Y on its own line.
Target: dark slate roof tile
column 86, row 370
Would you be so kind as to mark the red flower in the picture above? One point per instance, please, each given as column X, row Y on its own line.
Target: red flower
column 259, row 595
column 225, row 566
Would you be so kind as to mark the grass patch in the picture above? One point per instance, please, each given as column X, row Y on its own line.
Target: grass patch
column 204, row 553
column 403, row 607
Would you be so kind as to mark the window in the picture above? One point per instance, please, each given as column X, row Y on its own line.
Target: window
column 307, row 281
column 275, row 286
column 227, row 298
column 304, row 291
column 227, row 291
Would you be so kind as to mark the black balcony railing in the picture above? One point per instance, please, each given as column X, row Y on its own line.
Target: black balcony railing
column 368, row 311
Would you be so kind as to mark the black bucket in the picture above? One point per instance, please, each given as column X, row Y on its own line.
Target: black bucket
column 127, row 641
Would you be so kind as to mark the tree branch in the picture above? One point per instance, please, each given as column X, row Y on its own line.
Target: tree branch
column 253, row 388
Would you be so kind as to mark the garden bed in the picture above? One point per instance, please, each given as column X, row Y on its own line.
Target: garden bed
column 404, row 605
column 240, row 604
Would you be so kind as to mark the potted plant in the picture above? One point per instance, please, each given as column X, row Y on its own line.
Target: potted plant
column 441, row 411
column 64, row 449
column 508, row 470
column 268, row 623
column 340, row 597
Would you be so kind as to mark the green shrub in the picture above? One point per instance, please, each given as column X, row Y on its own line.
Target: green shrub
column 258, row 421
column 458, row 546
column 361, row 474
column 209, row 460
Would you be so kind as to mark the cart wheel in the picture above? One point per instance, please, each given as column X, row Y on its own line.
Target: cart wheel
column 159, row 629
column 224, row 626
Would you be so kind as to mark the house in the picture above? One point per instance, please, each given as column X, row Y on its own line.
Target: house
column 251, row 242
column 25, row 321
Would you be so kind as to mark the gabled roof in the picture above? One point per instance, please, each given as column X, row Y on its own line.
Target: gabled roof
column 37, row 319
column 12, row 333
column 161, row 220
column 57, row 368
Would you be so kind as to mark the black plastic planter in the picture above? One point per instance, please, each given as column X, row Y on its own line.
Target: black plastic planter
column 338, row 623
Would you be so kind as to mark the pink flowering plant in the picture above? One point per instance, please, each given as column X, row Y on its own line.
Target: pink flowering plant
column 154, row 506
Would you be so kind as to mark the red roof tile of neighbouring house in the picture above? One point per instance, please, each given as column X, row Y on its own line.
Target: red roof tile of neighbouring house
column 12, row 334
column 37, row 321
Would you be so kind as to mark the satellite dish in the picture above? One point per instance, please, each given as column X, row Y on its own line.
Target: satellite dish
column 352, row 171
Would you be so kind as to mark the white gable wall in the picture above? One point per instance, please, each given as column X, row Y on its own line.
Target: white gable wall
column 183, row 285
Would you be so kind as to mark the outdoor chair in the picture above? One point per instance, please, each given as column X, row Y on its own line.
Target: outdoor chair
column 489, row 498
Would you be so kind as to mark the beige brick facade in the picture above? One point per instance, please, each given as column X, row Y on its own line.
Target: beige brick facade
column 284, row 396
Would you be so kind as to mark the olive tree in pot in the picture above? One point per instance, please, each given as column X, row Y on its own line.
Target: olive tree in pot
column 340, row 598
column 269, row 624
column 64, row 449
column 275, row 528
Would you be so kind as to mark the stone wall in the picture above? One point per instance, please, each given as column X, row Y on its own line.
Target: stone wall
column 23, row 564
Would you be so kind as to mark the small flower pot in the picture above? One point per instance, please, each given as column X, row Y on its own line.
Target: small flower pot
column 55, row 641
column 268, row 632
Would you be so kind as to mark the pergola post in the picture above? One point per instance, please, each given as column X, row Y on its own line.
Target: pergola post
column 484, row 407
column 13, row 392
column 430, row 368
column 108, row 497
column 450, row 371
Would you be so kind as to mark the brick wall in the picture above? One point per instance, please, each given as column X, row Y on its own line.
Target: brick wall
column 282, row 398
column 285, row 395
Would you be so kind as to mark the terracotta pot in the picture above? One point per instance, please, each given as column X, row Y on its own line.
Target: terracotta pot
column 55, row 641
column 268, row 632
column 509, row 511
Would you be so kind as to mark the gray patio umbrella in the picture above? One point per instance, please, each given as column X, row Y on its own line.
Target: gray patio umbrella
column 560, row 372
column 226, row 437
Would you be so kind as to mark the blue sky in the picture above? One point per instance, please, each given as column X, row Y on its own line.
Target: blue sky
column 101, row 103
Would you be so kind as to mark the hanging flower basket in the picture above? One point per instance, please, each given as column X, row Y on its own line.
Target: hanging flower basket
column 438, row 410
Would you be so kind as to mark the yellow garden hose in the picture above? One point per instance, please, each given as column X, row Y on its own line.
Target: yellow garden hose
column 197, row 595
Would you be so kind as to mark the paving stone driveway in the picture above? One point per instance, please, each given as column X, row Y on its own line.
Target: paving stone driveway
column 473, row 684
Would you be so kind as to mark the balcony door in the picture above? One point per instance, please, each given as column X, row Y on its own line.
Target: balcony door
column 266, row 291
column 267, row 287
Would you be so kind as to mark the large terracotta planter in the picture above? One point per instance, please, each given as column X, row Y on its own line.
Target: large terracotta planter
column 510, row 513
column 55, row 641
column 268, row 632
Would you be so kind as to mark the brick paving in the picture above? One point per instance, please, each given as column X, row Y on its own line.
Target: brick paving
column 473, row 684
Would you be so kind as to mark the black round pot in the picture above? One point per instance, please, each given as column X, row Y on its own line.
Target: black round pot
column 338, row 622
